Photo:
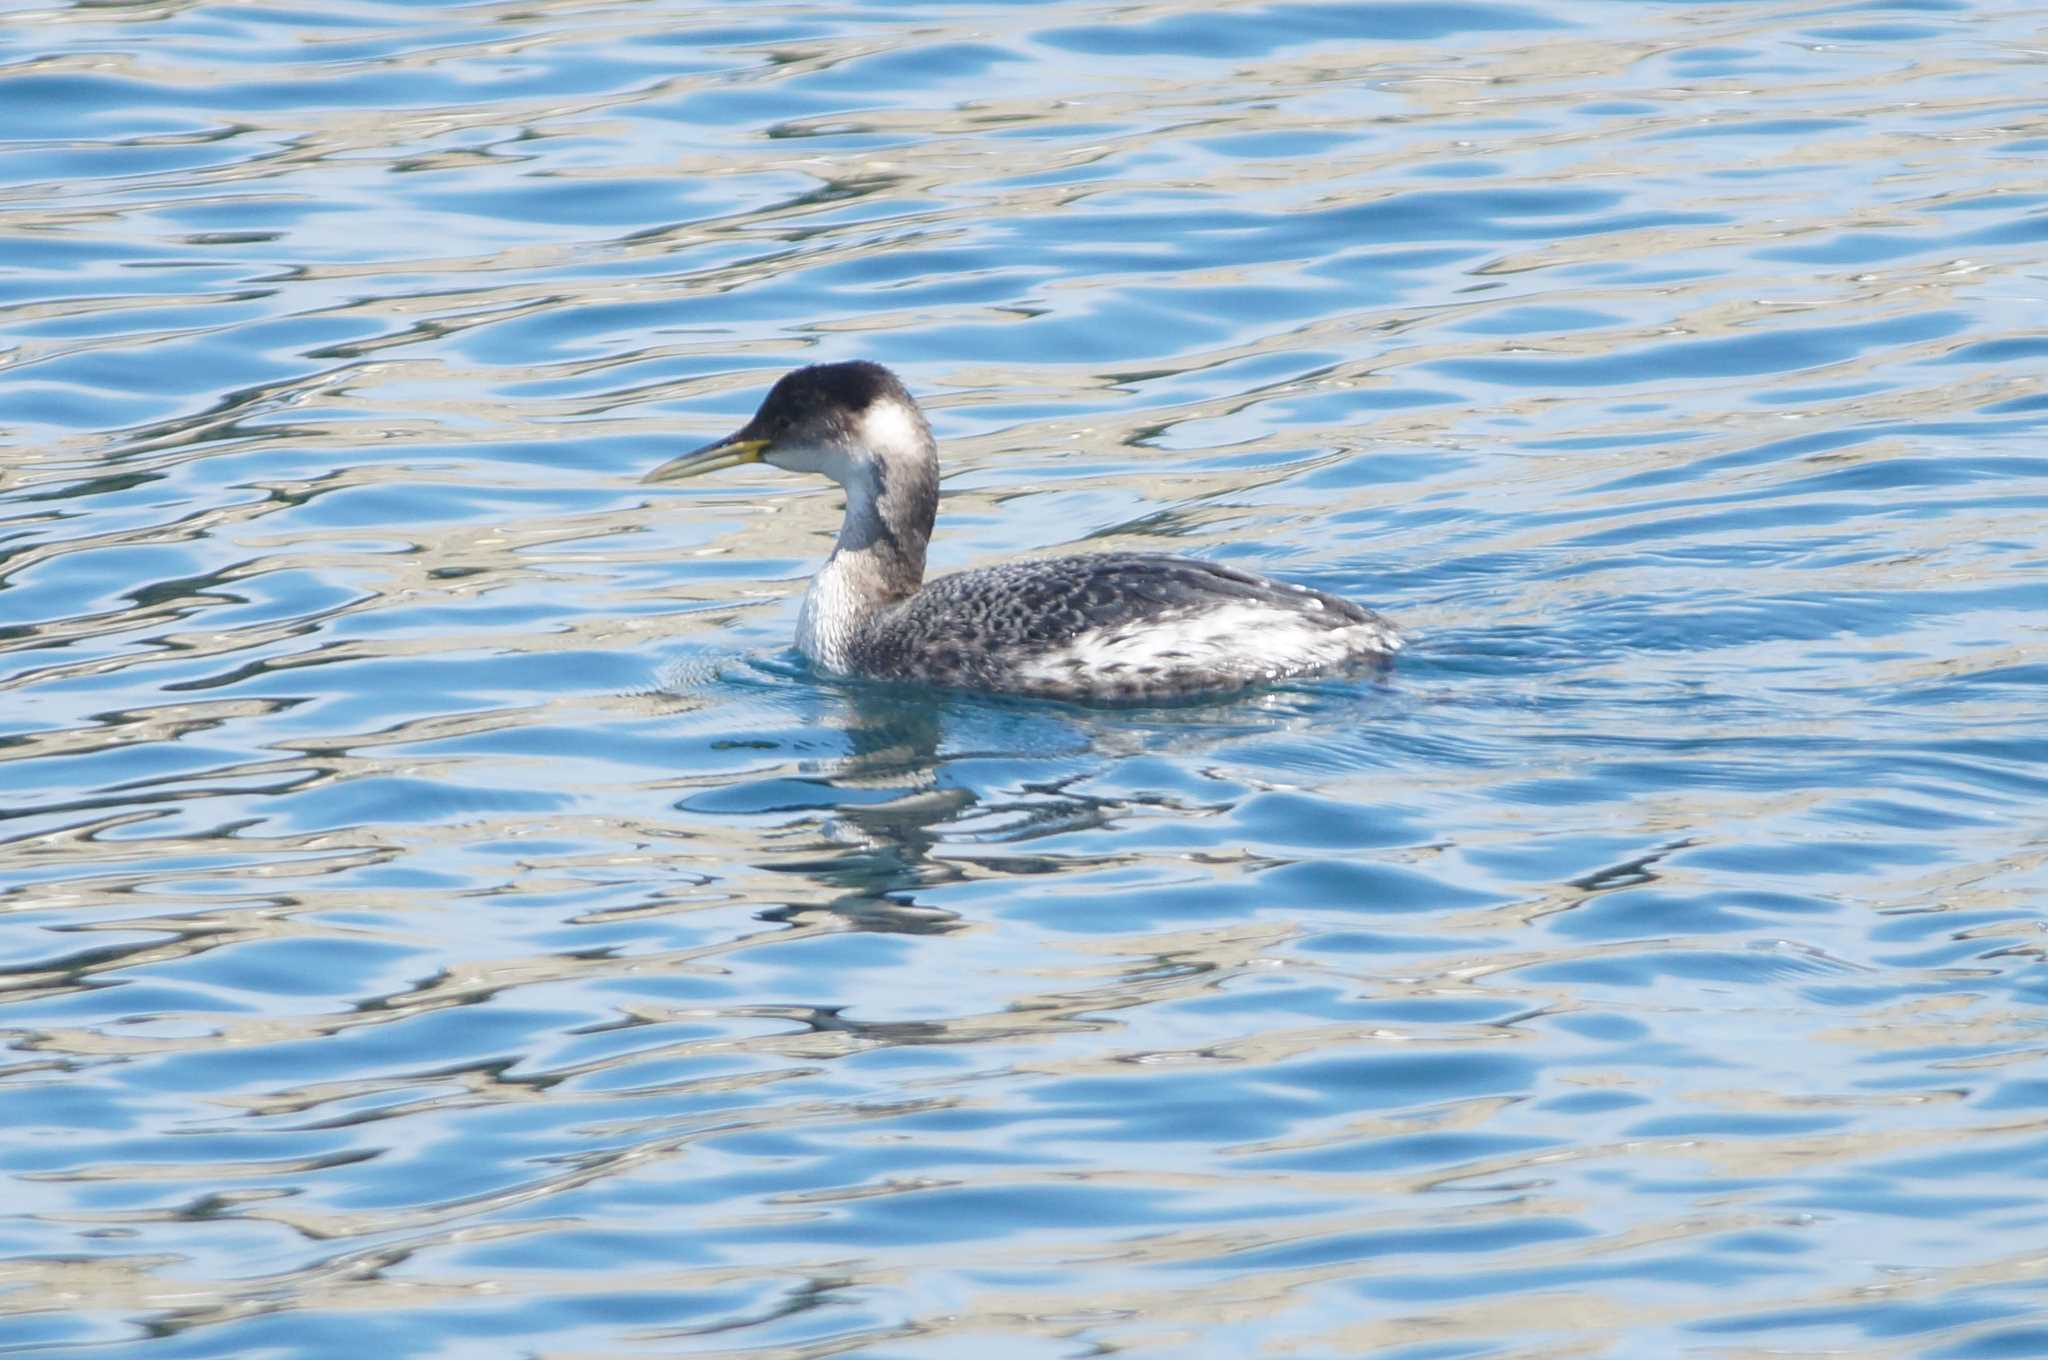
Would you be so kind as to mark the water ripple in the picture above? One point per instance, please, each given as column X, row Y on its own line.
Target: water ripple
column 441, row 908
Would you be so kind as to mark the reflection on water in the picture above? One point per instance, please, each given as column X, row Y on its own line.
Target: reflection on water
column 440, row 913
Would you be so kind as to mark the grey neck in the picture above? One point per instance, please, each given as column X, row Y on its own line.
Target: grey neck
column 889, row 512
column 879, row 558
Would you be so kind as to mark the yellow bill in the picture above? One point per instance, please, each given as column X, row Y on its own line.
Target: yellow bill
column 728, row 452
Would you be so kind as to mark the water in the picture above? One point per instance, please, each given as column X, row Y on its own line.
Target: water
column 444, row 919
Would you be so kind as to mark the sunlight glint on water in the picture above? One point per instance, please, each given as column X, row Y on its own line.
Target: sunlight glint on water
column 442, row 916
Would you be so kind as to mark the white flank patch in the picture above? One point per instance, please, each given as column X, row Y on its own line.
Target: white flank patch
column 1242, row 642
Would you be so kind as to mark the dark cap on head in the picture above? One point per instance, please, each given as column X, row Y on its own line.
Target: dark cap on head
column 849, row 387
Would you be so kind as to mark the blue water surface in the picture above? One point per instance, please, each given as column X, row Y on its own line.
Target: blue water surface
column 444, row 918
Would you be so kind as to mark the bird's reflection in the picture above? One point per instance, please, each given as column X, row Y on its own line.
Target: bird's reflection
column 889, row 813
column 923, row 769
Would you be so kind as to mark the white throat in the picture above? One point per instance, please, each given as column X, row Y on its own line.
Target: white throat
column 848, row 587
column 825, row 621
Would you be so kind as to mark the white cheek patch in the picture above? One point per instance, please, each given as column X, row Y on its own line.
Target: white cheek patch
column 794, row 457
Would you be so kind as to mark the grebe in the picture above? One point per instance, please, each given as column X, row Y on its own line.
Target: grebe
column 1113, row 627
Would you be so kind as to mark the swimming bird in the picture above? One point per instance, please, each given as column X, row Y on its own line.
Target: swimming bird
column 1103, row 627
